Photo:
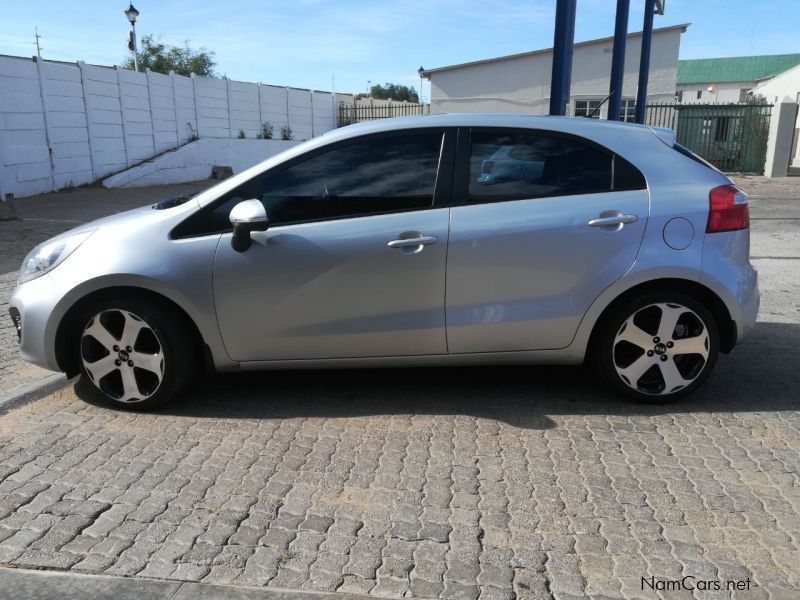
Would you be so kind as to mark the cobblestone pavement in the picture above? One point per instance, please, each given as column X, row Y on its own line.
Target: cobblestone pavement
column 452, row 483
column 43, row 217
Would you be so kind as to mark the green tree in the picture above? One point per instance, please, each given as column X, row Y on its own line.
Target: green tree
column 162, row 58
column 395, row 91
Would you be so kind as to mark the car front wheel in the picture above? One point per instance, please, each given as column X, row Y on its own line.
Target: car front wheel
column 135, row 354
column 659, row 347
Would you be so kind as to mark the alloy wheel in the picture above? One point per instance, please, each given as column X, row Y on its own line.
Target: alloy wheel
column 122, row 355
column 661, row 348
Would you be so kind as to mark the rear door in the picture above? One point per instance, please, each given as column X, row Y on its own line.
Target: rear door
column 530, row 249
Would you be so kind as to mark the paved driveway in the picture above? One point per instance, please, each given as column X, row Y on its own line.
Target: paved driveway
column 455, row 483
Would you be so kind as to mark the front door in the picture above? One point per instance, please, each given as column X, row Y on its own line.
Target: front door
column 353, row 262
column 527, row 253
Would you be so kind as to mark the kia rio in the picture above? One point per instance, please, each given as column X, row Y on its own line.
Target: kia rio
column 392, row 243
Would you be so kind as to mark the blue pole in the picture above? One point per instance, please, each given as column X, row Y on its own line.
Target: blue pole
column 618, row 60
column 644, row 61
column 562, row 56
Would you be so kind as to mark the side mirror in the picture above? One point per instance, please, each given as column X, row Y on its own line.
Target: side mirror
column 247, row 216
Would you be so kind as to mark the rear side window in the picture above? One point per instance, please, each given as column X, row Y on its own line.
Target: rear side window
column 517, row 166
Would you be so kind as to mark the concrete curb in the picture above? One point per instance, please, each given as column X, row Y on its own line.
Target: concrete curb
column 56, row 585
column 33, row 391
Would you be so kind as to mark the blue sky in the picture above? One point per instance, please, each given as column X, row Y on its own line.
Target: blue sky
column 303, row 42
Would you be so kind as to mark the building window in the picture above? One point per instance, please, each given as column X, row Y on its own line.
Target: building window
column 627, row 110
column 679, row 96
column 699, row 94
column 743, row 93
column 585, row 108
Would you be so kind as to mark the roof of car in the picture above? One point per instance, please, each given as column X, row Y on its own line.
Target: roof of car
column 477, row 119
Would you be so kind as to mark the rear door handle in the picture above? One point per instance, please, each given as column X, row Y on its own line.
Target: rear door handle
column 423, row 240
column 618, row 219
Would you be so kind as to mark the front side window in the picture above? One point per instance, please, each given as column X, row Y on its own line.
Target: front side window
column 366, row 176
column 385, row 174
column 511, row 166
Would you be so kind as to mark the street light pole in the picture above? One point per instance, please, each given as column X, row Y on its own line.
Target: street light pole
column 421, row 72
column 132, row 14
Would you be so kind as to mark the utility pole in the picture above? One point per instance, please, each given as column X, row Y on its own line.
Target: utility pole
column 38, row 47
column 563, row 40
column 618, row 60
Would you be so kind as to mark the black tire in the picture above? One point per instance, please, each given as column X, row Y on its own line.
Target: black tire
column 176, row 341
column 612, row 354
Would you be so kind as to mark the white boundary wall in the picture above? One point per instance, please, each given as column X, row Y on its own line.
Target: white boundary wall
column 64, row 124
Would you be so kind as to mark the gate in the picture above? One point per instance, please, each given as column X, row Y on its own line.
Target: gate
column 732, row 137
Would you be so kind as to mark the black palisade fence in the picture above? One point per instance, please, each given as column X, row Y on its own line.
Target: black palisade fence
column 349, row 114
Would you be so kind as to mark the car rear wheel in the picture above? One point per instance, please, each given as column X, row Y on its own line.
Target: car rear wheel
column 134, row 354
column 659, row 347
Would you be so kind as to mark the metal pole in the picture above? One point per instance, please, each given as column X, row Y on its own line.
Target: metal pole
column 562, row 56
column 644, row 60
column 135, row 49
column 618, row 60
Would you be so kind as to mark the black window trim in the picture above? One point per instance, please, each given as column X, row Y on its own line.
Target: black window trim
column 442, row 189
column 460, row 190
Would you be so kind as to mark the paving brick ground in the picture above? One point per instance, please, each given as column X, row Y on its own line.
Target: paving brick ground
column 452, row 483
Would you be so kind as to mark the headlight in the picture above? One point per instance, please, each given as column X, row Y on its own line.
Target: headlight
column 48, row 255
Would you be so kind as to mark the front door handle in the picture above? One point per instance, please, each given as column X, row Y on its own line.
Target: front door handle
column 423, row 240
column 611, row 221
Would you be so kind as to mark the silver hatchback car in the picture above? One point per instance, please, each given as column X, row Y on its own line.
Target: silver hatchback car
column 386, row 244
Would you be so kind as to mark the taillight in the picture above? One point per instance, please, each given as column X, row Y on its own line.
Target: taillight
column 727, row 209
column 488, row 165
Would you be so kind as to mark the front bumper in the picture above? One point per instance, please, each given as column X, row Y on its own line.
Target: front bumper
column 34, row 303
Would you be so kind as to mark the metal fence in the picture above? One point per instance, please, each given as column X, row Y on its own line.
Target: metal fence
column 349, row 114
column 732, row 137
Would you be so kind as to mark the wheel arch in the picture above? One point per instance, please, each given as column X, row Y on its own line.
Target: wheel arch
column 69, row 325
column 715, row 305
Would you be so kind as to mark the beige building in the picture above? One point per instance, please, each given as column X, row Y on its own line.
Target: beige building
column 520, row 83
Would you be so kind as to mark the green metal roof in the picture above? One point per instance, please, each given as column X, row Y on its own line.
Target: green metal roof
column 738, row 68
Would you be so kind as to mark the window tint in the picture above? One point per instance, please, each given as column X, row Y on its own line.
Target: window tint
column 520, row 166
column 371, row 176
column 626, row 176
column 367, row 176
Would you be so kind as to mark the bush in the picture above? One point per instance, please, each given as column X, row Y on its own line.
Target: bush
column 241, row 135
column 266, row 131
column 286, row 133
